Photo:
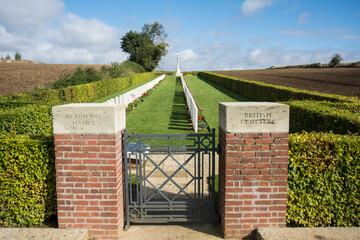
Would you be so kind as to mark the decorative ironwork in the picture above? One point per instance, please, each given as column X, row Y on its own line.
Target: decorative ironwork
column 169, row 177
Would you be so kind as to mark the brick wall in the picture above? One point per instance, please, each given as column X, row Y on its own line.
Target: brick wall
column 89, row 183
column 252, row 182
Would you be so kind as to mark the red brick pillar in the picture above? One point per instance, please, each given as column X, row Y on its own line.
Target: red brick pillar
column 89, row 172
column 253, row 167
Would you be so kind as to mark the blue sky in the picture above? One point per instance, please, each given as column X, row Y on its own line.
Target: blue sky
column 208, row 35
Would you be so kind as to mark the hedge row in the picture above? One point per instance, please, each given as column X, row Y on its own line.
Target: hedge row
column 322, row 116
column 323, row 180
column 80, row 93
column 27, row 180
column 265, row 92
column 323, row 184
column 309, row 111
column 29, row 120
column 30, row 113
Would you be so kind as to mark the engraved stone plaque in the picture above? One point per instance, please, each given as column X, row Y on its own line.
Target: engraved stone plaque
column 89, row 118
column 254, row 117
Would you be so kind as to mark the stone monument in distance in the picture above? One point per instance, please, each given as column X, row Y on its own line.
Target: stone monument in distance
column 178, row 73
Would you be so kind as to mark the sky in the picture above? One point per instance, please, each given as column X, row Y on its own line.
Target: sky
column 207, row 34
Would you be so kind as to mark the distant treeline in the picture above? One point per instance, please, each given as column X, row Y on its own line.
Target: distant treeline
column 318, row 65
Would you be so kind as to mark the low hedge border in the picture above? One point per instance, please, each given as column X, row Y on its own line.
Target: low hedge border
column 31, row 119
column 80, row 93
column 265, row 92
column 322, row 116
column 30, row 113
column 309, row 111
column 27, row 180
column 323, row 180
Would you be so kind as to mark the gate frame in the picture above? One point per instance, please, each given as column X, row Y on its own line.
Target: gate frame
column 197, row 149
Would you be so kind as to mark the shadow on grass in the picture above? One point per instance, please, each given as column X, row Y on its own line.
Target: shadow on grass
column 226, row 91
column 178, row 118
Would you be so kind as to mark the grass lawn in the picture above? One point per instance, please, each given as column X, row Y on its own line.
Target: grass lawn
column 208, row 95
column 163, row 111
column 104, row 99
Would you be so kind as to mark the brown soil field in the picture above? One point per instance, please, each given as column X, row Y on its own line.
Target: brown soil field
column 341, row 81
column 22, row 77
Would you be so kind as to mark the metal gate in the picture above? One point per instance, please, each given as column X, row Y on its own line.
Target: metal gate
column 169, row 177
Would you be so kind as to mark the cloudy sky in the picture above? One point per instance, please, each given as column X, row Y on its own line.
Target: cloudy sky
column 207, row 34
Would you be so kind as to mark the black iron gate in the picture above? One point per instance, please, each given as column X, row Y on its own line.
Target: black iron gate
column 169, row 177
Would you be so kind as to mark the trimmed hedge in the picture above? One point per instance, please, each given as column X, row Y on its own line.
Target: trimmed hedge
column 323, row 180
column 321, row 116
column 265, row 92
column 27, row 180
column 30, row 113
column 30, row 119
column 309, row 111
column 80, row 93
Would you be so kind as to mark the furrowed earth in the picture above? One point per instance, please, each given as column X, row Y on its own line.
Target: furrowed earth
column 23, row 76
column 341, row 81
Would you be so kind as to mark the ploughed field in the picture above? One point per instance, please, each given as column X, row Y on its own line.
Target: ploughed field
column 341, row 81
column 22, row 77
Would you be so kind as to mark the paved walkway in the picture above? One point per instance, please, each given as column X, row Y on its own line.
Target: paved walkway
column 170, row 232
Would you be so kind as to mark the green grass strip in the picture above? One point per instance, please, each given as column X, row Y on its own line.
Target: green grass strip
column 163, row 111
column 104, row 99
column 208, row 95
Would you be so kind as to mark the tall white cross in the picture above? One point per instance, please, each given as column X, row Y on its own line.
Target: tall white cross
column 178, row 73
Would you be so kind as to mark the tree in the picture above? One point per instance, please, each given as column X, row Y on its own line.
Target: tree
column 8, row 57
column 336, row 59
column 17, row 56
column 146, row 47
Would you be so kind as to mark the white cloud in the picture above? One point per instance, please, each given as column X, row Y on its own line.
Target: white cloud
column 303, row 18
column 28, row 17
column 76, row 32
column 43, row 32
column 235, row 57
column 249, row 7
column 327, row 33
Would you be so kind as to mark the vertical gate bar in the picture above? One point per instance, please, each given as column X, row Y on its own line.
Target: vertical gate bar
column 202, row 176
column 139, row 178
column 127, row 224
column 213, row 169
column 199, row 175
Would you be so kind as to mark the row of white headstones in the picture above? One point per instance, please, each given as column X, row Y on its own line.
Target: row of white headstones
column 132, row 95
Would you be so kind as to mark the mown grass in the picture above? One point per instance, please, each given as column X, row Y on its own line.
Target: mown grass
column 163, row 111
column 208, row 95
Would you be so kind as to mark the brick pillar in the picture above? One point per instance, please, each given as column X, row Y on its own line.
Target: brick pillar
column 89, row 171
column 253, row 167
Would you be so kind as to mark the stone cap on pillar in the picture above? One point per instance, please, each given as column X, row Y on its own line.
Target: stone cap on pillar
column 89, row 118
column 254, row 117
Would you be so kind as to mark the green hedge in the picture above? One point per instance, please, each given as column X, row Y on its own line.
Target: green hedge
column 80, row 93
column 27, row 180
column 323, row 180
column 31, row 119
column 30, row 113
column 309, row 111
column 265, row 92
column 321, row 116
